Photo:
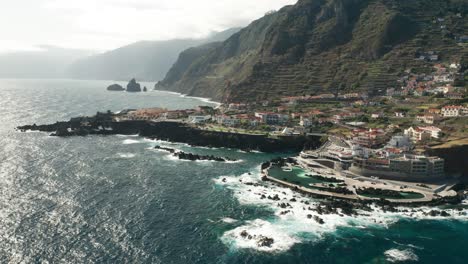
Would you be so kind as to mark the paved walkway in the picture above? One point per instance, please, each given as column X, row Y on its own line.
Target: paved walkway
column 354, row 182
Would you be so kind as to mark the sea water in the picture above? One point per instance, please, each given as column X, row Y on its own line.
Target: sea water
column 114, row 199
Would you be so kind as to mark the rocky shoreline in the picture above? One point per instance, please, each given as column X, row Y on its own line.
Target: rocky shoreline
column 103, row 124
column 344, row 207
column 193, row 157
column 350, row 205
column 324, row 211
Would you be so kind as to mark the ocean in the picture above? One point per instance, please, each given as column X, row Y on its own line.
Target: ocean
column 115, row 199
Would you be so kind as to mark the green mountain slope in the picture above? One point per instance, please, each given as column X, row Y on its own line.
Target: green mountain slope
column 322, row 45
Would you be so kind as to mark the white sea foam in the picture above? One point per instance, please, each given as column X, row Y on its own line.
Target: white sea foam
column 119, row 135
column 396, row 255
column 255, row 230
column 234, row 161
column 228, row 220
column 296, row 222
column 130, row 141
column 165, row 142
column 408, row 245
column 171, row 157
column 126, row 155
column 32, row 131
column 250, row 151
column 201, row 147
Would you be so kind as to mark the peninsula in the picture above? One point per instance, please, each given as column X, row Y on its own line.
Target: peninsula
column 346, row 151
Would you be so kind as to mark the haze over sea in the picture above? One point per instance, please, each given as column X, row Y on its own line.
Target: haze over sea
column 115, row 200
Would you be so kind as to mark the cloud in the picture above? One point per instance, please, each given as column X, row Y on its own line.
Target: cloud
column 108, row 24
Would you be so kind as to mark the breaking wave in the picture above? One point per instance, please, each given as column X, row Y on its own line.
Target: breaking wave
column 396, row 255
column 126, row 155
column 295, row 218
column 130, row 141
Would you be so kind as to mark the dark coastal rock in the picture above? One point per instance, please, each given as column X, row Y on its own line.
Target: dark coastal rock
column 274, row 198
column 145, row 89
column 116, row 88
column 178, row 132
column 171, row 150
column 193, row 157
column 381, row 192
column 319, row 220
column 265, row 165
column 326, row 179
column 244, row 233
column 444, row 214
column 265, row 241
column 133, row 86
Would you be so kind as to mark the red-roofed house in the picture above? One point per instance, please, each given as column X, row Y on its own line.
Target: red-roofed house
column 452, row 110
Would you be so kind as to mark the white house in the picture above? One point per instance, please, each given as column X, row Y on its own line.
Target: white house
column 227, row 120
column 198, row 119
column 271, row 118
column 427, row 118
column 434, row 131
column 417, row 134
column 399, row 114
column 452, row 110
column 305, row 122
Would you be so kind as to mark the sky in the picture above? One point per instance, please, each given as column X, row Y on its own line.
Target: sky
column 100, row 25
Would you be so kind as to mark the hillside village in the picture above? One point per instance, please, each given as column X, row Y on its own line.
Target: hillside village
column 425, row 110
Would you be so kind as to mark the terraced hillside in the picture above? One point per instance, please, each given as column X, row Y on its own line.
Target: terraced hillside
column 323, row 45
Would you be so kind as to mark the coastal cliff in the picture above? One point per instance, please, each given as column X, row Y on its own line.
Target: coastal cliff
column 456, row 159
column 176, row 132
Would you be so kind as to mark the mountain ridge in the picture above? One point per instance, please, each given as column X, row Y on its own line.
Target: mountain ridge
column 322, row 45
column 144, row 60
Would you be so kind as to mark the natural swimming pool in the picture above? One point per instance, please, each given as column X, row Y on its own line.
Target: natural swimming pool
column 297, row 176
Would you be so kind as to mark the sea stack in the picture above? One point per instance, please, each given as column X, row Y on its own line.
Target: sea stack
column 115, row 87
column 145, row 89
column 133, row 86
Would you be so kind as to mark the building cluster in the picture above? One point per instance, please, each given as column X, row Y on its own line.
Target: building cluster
column 394, row 160
column 369, row 138
column 159, row 114
column 146, row 114
column 434, row 115
column 439, row 82
column 400, row 167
